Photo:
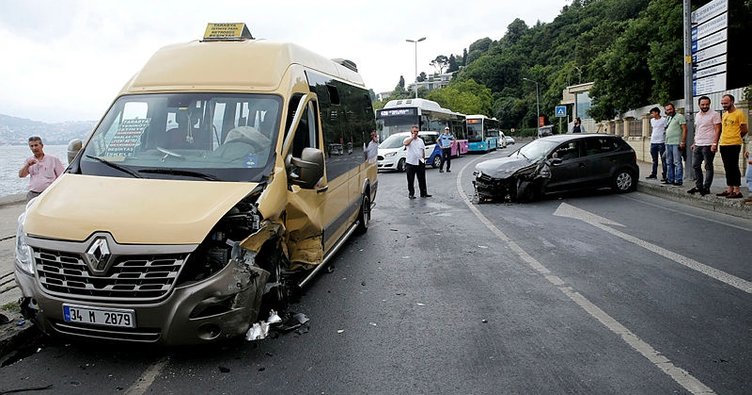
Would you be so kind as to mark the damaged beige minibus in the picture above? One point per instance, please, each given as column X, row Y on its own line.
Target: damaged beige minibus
column 224, row 169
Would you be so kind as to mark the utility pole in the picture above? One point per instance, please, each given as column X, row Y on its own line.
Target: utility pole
column 688, row 90
column 537, row 101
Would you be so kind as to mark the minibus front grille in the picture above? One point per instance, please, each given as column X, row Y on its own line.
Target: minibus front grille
column 143, row 277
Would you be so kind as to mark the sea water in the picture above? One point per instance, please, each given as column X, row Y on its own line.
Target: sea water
column 13, row 157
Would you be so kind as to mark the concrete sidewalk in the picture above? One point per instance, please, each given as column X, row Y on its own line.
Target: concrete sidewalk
column 710, row 202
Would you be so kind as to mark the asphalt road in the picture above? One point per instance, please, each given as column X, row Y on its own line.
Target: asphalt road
column 588, row 293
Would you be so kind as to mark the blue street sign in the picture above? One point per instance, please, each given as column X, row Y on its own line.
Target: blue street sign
column 561, row 111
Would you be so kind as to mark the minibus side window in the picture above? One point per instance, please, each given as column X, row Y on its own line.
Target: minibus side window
column 306, row 134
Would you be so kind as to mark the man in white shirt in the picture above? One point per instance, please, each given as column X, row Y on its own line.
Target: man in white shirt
column 372, row 149
column 707, row 133
column 657, row 142
column 416, row 163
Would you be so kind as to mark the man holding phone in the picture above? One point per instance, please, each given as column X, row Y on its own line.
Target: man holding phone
column 416, row 163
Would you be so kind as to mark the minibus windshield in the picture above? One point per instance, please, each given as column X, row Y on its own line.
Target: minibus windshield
column 193, row 136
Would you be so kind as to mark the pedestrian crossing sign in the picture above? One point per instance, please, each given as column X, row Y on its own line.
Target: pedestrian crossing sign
column 561, row 111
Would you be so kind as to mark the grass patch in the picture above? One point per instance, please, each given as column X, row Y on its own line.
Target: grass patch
column 12, row 307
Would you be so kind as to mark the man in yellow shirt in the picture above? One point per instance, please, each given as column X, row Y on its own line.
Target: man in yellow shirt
column 734, row 128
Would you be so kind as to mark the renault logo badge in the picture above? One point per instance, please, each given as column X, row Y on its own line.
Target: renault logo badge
column 98, row 256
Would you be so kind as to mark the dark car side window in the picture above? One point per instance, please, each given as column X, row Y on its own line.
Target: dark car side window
column 567, row 151
column 599, row 145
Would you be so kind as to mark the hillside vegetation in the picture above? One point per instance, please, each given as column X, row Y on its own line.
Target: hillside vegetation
column 631, row 49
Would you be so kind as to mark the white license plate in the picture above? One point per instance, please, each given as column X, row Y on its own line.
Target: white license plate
column 124, row 318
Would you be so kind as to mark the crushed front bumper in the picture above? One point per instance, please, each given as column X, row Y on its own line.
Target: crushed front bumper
column 219, row 307
column 487, row 187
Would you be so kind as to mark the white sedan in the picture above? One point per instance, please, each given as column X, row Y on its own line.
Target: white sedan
column 508, row 139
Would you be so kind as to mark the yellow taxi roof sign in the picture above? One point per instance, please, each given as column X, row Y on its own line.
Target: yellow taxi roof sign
column 227, row 31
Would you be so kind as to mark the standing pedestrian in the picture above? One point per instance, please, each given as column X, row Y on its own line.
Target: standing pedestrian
column 446, row 139
column 676, row 139
column 748, row 174
column 577, row 128
column 372, row 149
column 730, row 145
column 707, row 132
column 657, row 142
column 43, row 168
column 416, row 163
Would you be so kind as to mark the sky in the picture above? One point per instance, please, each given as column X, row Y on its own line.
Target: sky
column 66, row 60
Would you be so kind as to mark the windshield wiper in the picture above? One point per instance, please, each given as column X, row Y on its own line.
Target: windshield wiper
column 181, row 172
column 115, row 166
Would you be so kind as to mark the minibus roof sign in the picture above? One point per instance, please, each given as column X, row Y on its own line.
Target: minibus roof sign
column 227, row 31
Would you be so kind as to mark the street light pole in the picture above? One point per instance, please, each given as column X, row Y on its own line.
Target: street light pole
column 416, row 62
column 537, row 100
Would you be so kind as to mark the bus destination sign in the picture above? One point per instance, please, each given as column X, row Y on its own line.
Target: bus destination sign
column 398, row 112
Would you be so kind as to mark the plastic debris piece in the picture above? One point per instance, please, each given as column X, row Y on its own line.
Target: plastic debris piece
column 363, row 283
column 482, row 246
column 372, row 323
column 21, row 322
column 293, row 321
column 273, row 318
column 341, row 331
column 224, row 369
column 421, row 304
column 485, row 321
column 261, row 369
column 258, row 331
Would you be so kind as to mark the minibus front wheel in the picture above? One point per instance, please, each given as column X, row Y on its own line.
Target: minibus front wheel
column 364, row 215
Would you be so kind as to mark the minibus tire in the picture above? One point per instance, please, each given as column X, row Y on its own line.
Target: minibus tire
column 364, row 214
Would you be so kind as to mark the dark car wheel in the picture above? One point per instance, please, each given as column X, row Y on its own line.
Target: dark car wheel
column 436, row 161
column 528, row 191
column 624, row 181
column 401, row 165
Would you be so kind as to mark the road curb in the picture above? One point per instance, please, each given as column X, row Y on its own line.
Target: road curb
column 14, row 336
column 710, row 202
column 12, row 199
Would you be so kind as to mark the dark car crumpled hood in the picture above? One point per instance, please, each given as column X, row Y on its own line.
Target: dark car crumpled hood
column 503, row 167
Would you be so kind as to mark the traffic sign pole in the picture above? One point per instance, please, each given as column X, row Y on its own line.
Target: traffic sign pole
column 688, row 90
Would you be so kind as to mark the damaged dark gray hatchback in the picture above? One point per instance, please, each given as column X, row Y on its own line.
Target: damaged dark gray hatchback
column 557, row 164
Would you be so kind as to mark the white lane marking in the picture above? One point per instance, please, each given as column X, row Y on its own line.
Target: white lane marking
column 147, row 378
column 569, row 211
column 679, row 375
column 704, row 218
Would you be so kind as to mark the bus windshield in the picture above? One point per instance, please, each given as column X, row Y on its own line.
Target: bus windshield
column 474, row 131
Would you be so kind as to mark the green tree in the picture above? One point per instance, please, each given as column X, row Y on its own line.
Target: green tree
column 453, row 64
column 467, row 97
column 477, row 49
column 440, row 63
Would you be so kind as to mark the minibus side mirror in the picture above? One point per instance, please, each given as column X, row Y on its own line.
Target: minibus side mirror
column 307, row 170
column 73, row 147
